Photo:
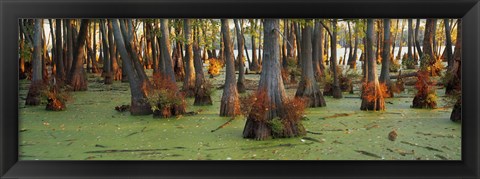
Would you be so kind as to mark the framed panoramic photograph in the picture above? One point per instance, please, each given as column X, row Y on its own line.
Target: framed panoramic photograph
column 239, row 89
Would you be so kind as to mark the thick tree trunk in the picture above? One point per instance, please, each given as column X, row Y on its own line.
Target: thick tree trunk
column 33, row 96
column 259, row 127
column 70, row 46
column 351, row 59
column 166, row 59
column 409, row 40
column 298, row 37
column 394, row 40
column 417, row 40
column 60, row 69
column 399, row 54
column 240, row 58
column 308, row 86
column 428, row 48
column 108, row 74
column 448, row 44
column 139, row 104
column 189, row 80
column 337, row 92
column 201, row 96
column 456, row 115
column 372, row 98
column 77, row 77
column 94, row 50
column 317, row 50
column 230, row 102
column 384, row 75
column 153, row 47
column 454, row 83
column 254, row 66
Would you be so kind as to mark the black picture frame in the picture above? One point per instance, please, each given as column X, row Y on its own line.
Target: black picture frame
column 12, row 10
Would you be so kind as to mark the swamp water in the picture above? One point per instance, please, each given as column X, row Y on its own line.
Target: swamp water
column 90, row 129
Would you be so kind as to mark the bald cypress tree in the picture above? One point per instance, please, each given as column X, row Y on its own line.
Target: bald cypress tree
column 230, row 102
column 308, row 86
column 372, row 97
column 270, row 118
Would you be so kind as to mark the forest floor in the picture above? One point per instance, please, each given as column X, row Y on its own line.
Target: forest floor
column 90, row 129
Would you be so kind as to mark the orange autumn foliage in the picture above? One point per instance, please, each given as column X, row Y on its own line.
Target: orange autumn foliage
column 215, row 66
column 371, row 92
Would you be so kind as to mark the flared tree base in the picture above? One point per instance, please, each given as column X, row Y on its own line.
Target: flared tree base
column 230, row 104
column 456, row 115
column 108, row 79
column 168, row 111
column 204, row 100
column 337, row 92
column 377, row 105
column 263, row 130
column 189, row 92
column 54, row 104
column 313, row 96
column 33, row 96
column 241, row 87
column 421, row 101
column 78, row 82
column 140, row 107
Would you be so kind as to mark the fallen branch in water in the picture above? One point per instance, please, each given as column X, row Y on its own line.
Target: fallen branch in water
column 402, row 152
column 133, row 133
column 113, row 151
column 434, row 135
column 317, row 133
column 368, row 154
column 338, row 115
column 332, row 130
column 223, row 125
column 312, row 139
column 425, row 147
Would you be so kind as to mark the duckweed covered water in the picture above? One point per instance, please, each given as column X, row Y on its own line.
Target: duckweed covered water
column 90, row 129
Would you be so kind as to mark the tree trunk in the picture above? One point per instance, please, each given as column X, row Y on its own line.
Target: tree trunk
column 230, row 102
column 201, row 96
column 166, row 59
column 409, row 40
column 139, row 104
column 308, row 86
column 70, row 46
column 417, row 40
column 399, row 54
column 351, row 59
column 337, row 92
column 153, row 47
column 372, row 98
column 259, row 127
column 107, row 53
column 189, row 80
column 448, row 44
column 254, row 66
column 394, row 40
column 240, row 58
column 60, row 70
column 33, row 96
column 384, row 75
column 94, row 49
column 298, row 36
column 317, row 50
column 454, row 83
column 77, row 77
column 428, row 48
